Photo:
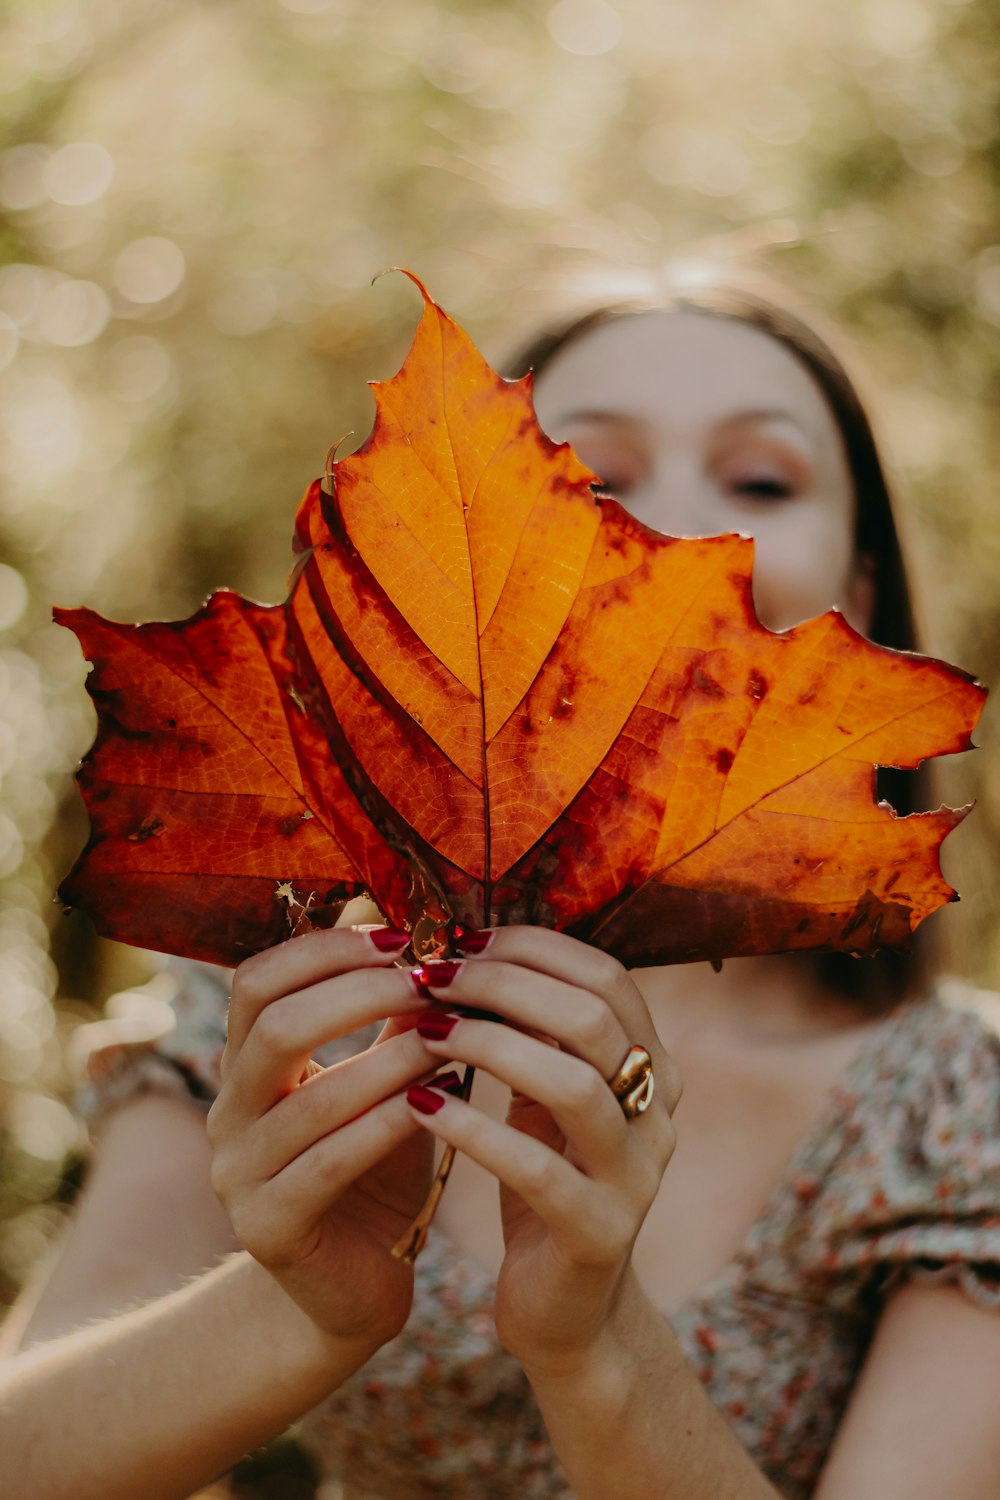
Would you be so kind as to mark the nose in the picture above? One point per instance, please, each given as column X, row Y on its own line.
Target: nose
column 677, row 498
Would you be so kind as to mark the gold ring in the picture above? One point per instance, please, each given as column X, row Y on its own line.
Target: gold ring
column 633, row 1084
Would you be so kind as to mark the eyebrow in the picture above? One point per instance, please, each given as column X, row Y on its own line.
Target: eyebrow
column 754, row 414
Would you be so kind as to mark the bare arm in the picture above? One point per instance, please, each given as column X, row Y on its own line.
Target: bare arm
column 634, row 1419
column 922, row 1423
column 319, row 1169
column 146, row 1221
column 158, row 1400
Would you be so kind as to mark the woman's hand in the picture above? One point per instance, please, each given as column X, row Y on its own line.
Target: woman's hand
column 577, row 1177
column 322, row 1169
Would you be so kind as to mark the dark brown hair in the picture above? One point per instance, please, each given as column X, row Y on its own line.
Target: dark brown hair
column 879, row 981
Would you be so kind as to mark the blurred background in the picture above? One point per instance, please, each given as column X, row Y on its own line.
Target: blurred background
column 194, row 199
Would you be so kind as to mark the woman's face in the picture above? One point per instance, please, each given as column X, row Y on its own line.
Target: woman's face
column 700, row 425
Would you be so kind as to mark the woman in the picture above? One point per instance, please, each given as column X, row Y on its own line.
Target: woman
column 795, row 1294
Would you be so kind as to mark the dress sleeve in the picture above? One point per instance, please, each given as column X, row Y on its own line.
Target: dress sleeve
column 167, row 1037
column 915, row 1194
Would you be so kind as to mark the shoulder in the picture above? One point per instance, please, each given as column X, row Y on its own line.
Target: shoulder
column 966, row 1010
column 939, row 1055
column 910, row 1187
column 925, row 1095
column 165, row 1036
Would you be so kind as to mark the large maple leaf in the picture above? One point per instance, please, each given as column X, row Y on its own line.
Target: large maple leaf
column 494, row 696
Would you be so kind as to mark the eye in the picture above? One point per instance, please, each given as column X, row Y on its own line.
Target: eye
column 762, row 487
column 616, row 458
column 761, row 470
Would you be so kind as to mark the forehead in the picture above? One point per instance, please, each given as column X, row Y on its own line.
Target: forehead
column 681, row 368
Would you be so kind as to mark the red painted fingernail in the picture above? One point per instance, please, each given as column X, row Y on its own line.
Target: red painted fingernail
column 424, row 1101
column 473, row 939
column 419, row 982
column 451, row 1082
column 388, row 939
column 435, row 1025
column 438, row 972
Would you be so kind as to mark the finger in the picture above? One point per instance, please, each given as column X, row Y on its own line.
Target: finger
column 580, row 1020
column 333, row 1098
column 568, row 959
column 289, row 1030
column 288, row 1206
column 599, row 1137
column 595, row 979
column 303, row 962
column 562, row 1197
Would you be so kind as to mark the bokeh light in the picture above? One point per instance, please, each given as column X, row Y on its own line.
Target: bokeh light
column 587, row 28
column 78, row 173
column 150, row 269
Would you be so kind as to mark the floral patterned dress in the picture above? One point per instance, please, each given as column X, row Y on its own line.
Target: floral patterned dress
column 899, row 1179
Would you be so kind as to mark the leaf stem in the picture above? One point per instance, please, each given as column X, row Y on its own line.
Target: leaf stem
column 409, row 1246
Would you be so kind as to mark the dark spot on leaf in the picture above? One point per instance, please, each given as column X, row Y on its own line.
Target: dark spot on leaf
column 804, row 925
column 707, row 684
column 757, row 685
column 724, row 760
column 171, row 723
column 289, row 824
column 857, row 919
column 805, row 698
column 149, row 828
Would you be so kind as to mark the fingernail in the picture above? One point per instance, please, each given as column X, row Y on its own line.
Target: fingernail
column 435, row 1025
column 473, row 939
column 419, row 982
column 436, row 972
column 451, row 1082
column 387, row 939
column 424, row 1101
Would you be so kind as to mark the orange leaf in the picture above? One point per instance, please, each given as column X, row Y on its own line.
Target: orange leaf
column 208, row 786
column 745, row 820
column 502, row 698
